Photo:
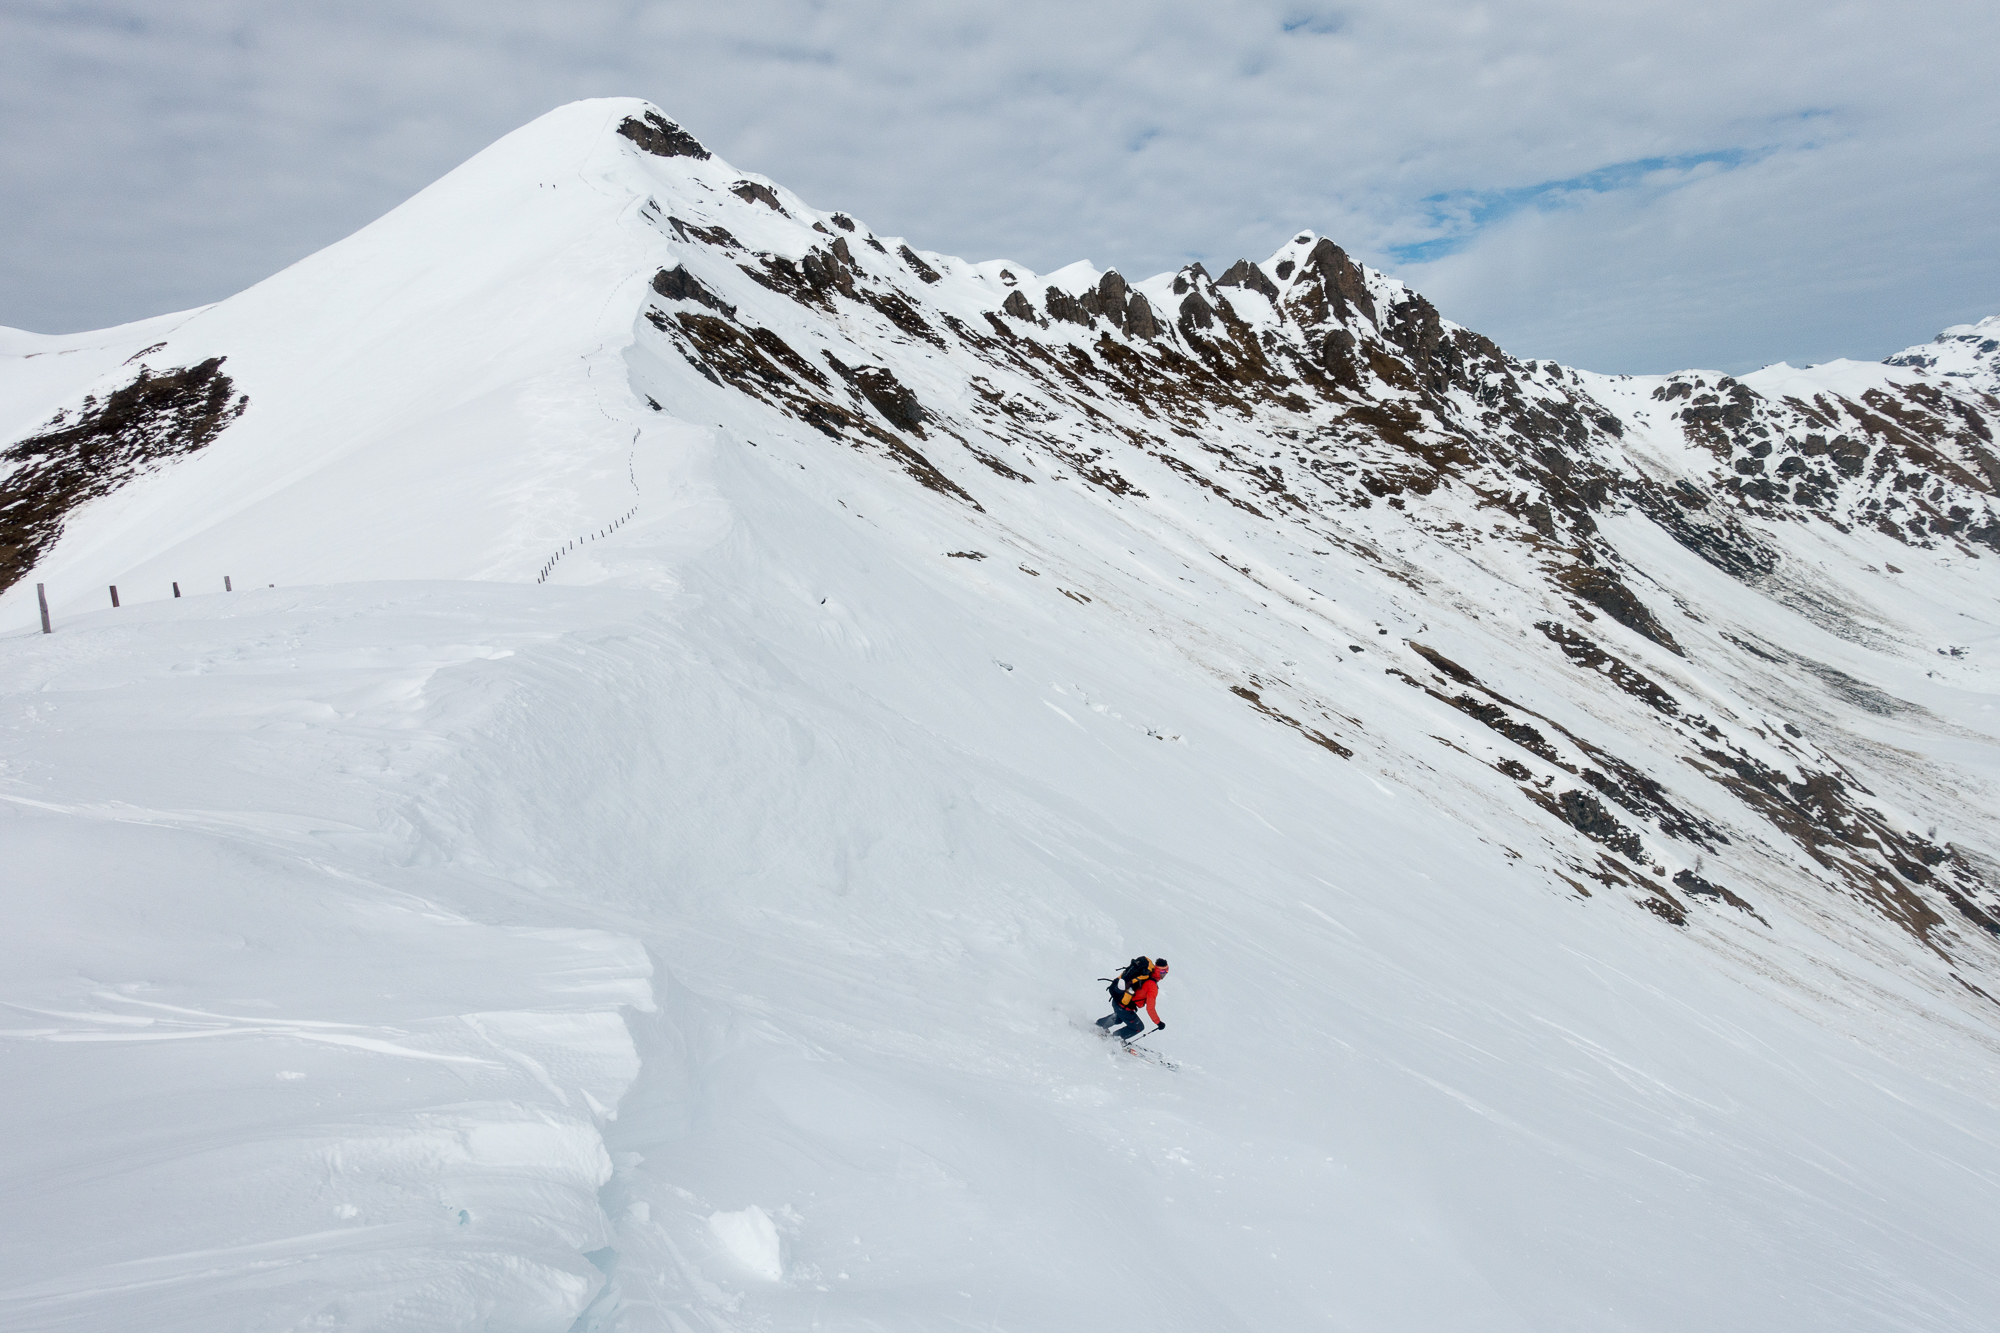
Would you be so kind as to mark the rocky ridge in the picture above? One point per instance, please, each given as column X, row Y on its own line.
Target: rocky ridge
column 1328, row 400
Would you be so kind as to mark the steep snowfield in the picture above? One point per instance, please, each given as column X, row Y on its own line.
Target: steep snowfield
column 703, row 938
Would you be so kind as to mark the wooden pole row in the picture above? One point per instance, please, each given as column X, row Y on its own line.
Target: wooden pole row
column 42, row 598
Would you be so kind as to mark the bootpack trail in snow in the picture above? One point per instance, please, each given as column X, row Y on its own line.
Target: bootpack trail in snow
column 712, row 678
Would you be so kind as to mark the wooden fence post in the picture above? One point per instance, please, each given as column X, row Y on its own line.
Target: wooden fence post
column 42, row 596
column 114, row 596
column 177, row 587
column 227, row 586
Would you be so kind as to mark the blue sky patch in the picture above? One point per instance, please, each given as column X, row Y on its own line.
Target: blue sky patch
column 1462, row 214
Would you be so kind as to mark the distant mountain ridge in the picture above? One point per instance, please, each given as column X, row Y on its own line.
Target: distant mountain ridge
column 1969, row 352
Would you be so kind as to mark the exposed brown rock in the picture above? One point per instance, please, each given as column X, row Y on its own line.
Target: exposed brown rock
column 917, row 265
column 1325, row 742
column 754, row 192
column 1351, row 404
column 661, row 137
column 1443, row 664
column 903, row 315
column 1608, row 593
column 1139, row 321
column 1248, row 276
column 1694, row 885
column 1588, row 655
column 1106, row 300
column 1337, row 355
column 782, row 352
column 677, row 284
column 143, row 425
column 1587, row 815
column 706, row 235
column 891, row 397
column 808, row 281
column 1196, row 313
column 1413, row 325
column 1330, row 286
column 1061, row 305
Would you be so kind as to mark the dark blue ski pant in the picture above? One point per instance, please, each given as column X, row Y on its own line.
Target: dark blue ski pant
column 1128, row 1023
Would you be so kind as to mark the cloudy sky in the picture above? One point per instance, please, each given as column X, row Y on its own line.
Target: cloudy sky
column 1632, row 186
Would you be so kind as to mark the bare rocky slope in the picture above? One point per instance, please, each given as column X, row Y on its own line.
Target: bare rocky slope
column 1340, row 411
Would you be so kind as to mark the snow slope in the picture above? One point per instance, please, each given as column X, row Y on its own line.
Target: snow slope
column 697, row 930
column 445, row 342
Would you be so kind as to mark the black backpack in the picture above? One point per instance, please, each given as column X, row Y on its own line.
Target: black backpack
column 1126, row 981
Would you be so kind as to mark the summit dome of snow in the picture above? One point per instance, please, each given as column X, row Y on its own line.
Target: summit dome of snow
column 708, row 687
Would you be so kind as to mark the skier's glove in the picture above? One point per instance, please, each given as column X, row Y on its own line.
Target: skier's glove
column 1162, row 1027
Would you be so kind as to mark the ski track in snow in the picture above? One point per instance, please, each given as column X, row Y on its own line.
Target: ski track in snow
column 703, row 938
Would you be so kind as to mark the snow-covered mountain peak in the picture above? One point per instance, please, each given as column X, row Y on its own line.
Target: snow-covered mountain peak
column 1966, row 352
column 733, row 679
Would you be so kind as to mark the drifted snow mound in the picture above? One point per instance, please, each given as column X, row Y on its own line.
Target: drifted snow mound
column 261, row 1076
column 734, row 681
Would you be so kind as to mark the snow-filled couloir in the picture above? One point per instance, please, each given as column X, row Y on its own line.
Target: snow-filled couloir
column 707, row 688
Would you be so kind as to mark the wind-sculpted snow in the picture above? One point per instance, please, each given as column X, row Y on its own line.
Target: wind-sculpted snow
column 260, row 1076
column 749, row 673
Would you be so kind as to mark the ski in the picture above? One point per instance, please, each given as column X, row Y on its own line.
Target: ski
column 1150, row 1056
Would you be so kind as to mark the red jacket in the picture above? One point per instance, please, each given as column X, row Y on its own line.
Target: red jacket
column 1144, row 996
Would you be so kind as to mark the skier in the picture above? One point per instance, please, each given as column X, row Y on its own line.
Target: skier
column 1134, row 989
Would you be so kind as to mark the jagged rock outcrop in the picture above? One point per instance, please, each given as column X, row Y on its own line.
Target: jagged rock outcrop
column 1248, row 276
column 918, row 266
column 1311, row 393
column 757, row 192
column 661, row 137
column 1139, row 321
column 1018, row 305
column 677, row 284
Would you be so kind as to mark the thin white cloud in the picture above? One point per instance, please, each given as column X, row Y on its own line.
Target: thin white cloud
column 1629, row 187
